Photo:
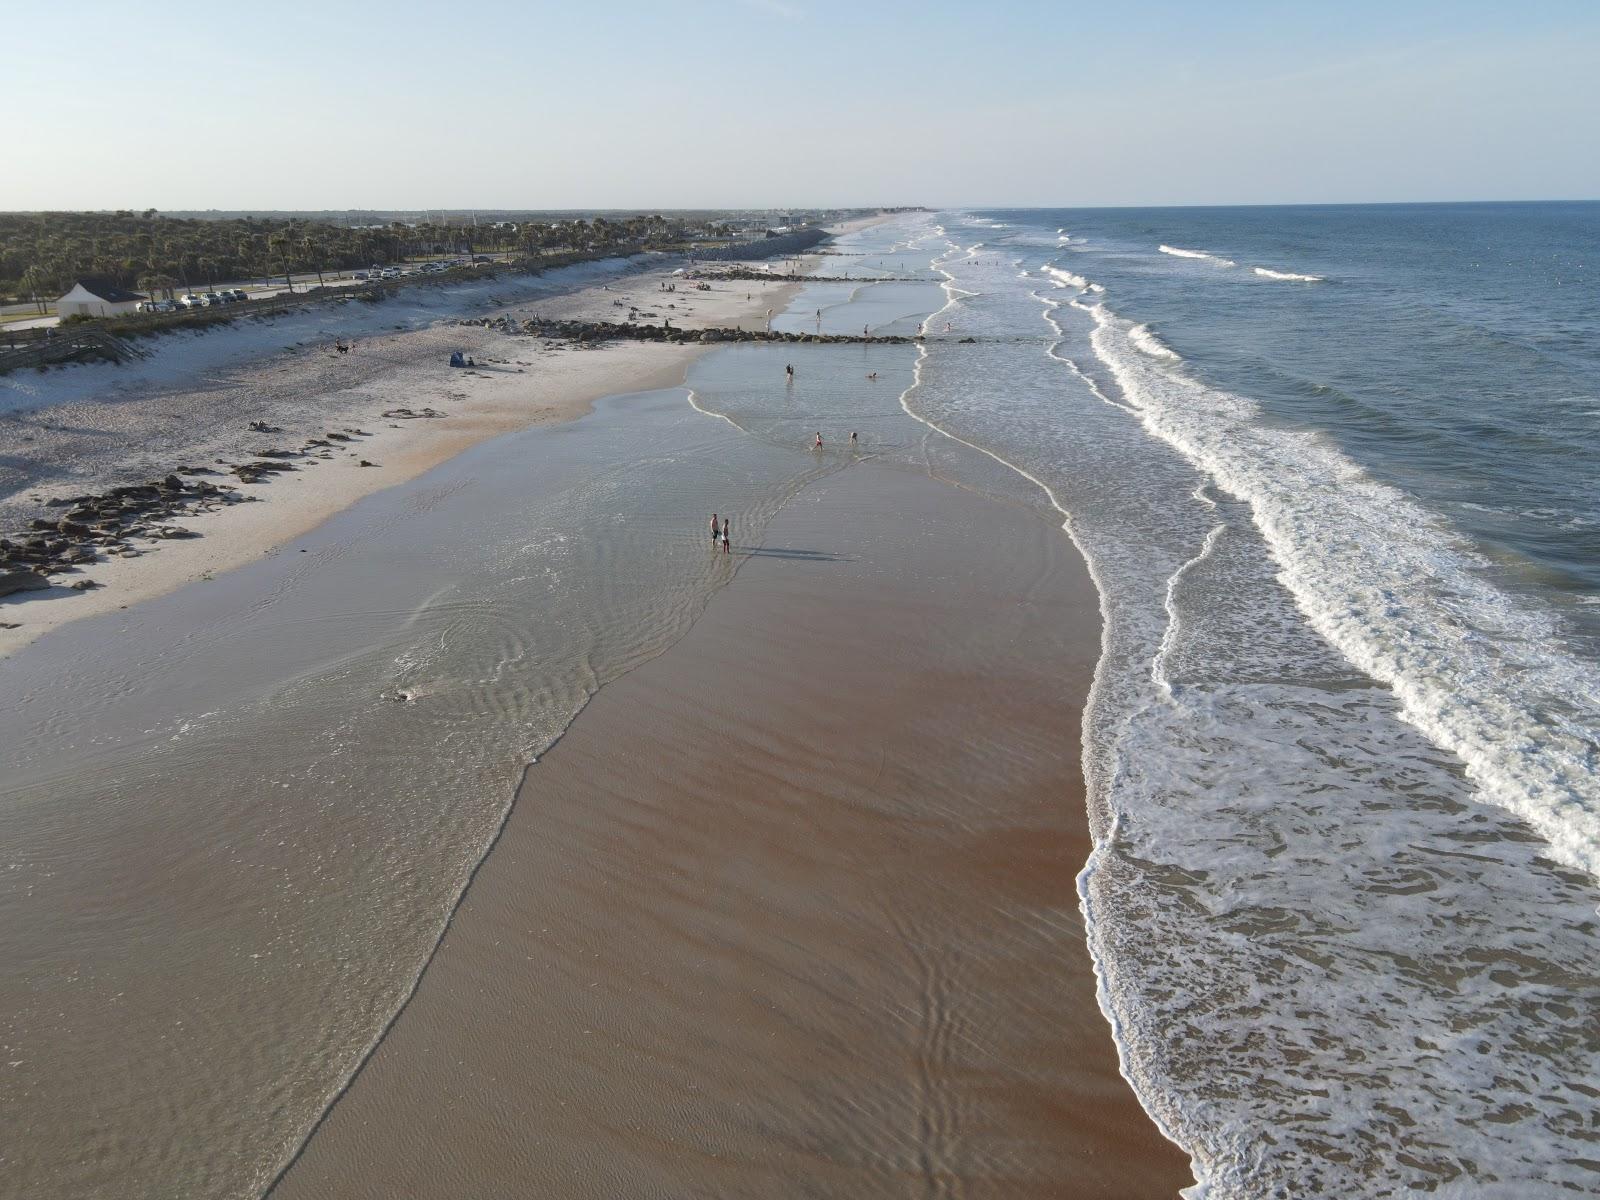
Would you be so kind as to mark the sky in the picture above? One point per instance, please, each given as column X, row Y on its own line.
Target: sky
column 413, row 104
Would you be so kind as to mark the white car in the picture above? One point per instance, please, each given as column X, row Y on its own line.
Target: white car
column 190, row 300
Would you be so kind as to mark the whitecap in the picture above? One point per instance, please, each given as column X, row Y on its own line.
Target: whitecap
column 1268, row 273
column 1180, row 252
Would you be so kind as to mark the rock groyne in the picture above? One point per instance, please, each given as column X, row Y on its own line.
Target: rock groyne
column 606, row 331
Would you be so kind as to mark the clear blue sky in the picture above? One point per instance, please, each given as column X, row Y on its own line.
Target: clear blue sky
column 707, row 103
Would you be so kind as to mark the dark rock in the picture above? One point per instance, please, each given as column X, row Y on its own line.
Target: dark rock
column 22, row 581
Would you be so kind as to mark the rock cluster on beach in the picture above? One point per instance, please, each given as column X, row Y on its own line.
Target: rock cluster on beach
column 111, row 523
column 604, row 331
column 105, row 524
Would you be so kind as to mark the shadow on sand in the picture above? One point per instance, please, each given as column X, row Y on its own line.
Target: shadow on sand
column 801, row 555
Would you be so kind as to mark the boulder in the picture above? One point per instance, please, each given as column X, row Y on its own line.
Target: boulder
column 21, row 581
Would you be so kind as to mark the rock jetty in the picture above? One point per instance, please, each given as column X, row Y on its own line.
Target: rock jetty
column 608, row 331
column 747, row 275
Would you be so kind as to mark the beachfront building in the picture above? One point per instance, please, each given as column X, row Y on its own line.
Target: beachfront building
column 96, row 298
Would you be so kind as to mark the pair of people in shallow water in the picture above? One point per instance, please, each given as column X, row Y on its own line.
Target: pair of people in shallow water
column 719, row 534
column 817, row 445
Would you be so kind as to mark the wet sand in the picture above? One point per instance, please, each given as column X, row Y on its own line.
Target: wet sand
column 789, row 910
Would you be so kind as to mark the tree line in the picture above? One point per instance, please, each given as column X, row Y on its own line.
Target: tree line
column 41, row 254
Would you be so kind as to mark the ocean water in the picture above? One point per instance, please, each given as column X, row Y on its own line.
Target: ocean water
column 1337, row 476
column 1333, row 473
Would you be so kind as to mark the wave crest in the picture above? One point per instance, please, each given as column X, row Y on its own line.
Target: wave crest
column 1268, row 273
column 1180, row 252
column 1067, row 278
column 1142, row 337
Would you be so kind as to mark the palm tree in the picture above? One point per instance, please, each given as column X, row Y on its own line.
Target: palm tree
column 313, row 253
column 33, row 279
column 278, row 246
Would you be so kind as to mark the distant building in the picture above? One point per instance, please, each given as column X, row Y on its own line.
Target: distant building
column 97, row 298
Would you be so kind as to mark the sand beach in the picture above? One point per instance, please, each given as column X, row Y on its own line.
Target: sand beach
column 788, row 911
column 785, row 903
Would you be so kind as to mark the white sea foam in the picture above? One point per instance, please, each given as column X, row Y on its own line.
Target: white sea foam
column 1149, row 343
column 1066, row 278
column 1387, row 583
column 1267, row 273
column 1327, row 969
column 1180, row 252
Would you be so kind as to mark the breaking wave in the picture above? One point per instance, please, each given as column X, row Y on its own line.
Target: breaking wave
column 1180, row 252
column 1268, row 273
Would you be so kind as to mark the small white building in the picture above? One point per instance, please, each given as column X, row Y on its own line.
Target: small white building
column 96, row 298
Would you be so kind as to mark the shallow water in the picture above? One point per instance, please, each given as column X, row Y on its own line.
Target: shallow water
column 1341, row 757
column 237, row 817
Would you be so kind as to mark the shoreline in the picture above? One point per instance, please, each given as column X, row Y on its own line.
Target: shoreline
column 649, row 966
column 520, row 381
column 953, row 728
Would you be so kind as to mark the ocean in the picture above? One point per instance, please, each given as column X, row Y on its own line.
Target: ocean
column 1337, row 476
column 1334, row 475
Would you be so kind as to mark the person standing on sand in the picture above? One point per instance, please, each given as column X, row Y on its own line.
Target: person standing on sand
column 713, row 530
column 725, row 535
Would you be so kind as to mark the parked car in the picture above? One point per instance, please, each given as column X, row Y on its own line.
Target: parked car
column 211, row 298
column 190, row 300
column 361, row 275
column 147, row 306
column 165, row 306
column 237, row 294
